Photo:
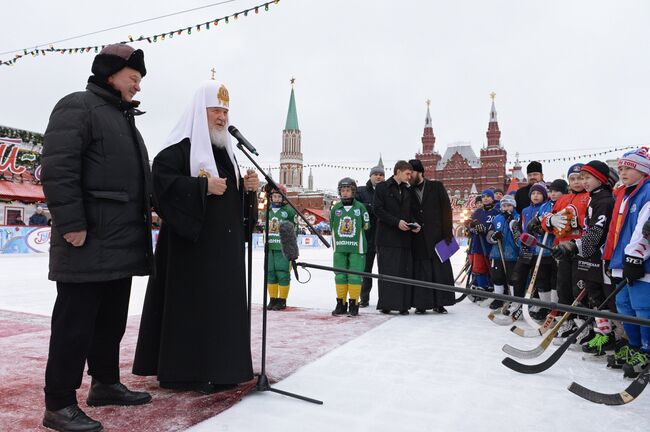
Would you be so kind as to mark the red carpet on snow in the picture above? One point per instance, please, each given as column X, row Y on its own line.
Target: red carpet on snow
column 295, row 338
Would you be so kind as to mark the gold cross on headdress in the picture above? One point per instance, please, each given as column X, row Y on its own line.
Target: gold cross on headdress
column 493, row 95
column 214, row 71
column 293, row 81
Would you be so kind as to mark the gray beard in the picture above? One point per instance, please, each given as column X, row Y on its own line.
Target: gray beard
column 219, row 138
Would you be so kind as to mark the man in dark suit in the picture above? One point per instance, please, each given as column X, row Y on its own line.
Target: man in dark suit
column 392, row 205
column 432, row 210
column 365, row 195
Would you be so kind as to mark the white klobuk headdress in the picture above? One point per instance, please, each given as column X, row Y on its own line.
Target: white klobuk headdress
column 194, row 125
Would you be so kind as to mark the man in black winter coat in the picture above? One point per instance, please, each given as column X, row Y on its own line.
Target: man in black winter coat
column 535, row 175
column 392, row 205
column 97, row 184
column 365, row 195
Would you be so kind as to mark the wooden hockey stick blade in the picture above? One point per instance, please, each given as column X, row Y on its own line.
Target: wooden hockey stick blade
column 539, row 349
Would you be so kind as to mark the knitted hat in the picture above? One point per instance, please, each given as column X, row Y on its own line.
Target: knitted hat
column 488, row 192
column 539, row 187
column 574, row 169
column 377, row 170
column 417, row 165
column 559, row 185
column 613, row 177
column 508, row 199
column 533, row 167
column 116, row 57
column 598, row 169
column 638, row 159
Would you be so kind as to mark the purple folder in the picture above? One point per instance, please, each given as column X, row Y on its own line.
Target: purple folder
column 445, row 251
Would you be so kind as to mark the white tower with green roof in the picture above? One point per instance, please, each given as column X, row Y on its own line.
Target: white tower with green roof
column 291, row 155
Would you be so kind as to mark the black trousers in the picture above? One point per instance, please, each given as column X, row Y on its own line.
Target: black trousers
column 394, row 261
column 366, row 286
column 88, row 322
column 524, row 269
column 567, row 281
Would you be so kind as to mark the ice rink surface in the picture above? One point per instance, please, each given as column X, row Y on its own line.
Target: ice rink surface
column 415, row 372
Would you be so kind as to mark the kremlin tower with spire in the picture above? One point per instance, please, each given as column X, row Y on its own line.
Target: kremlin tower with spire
column 462, row 172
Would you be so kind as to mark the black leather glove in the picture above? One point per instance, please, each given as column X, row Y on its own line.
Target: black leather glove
column 534, row 227
column 480, row 228
column 564, row 250
column 633, row 268
column 646, row 229
column 498, row 235
column 509, row 216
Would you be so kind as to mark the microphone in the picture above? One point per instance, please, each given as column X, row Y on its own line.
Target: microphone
column 531, row 241
column 243, row 141
column 289, row 244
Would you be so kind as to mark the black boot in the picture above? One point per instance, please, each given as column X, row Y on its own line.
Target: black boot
column 496, row 304
column 281, row 304
column 70, row 419
column 353, row 308
column 115, row 394
column 339, row 309
column 272, row 303
column 364, row 302
column 440, row 309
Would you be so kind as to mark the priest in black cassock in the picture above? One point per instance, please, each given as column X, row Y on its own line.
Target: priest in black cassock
column 194, row 329
column 432, row 210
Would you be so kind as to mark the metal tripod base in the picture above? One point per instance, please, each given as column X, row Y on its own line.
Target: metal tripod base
column 264, row 385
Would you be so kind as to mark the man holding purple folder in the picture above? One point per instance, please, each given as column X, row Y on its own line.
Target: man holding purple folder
column 432, row 210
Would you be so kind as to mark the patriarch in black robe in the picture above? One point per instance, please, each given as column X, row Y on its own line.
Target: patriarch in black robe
column 194, row 332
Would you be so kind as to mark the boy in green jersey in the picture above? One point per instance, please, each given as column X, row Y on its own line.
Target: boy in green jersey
column 348, row 221
column 278, row 266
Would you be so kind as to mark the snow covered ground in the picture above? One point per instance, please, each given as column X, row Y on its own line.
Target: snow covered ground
column 431, row 372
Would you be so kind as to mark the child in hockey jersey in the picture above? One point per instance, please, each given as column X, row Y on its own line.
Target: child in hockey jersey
column 587, row 250
column 480, row 248
column 539, row 206
column 278, row 266
column 349, row 221
column 500, row 236
column 565, row 221
column 628, row 252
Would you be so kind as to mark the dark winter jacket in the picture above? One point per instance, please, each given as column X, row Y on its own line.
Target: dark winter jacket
column 96, row 177
column 434, row 216
column 522, row 198
column 37, row 220
column 365, row 195
column 599, row 213
column 392, row 203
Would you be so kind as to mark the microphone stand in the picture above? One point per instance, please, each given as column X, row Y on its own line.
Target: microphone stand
column 252, row 208
column 262, row 380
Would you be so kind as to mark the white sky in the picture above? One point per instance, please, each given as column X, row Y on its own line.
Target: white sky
column 568, row 74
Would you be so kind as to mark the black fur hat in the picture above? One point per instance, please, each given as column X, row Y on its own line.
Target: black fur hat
column 116, row 57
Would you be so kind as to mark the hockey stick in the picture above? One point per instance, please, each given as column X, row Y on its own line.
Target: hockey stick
column 537, row 351
column 621, row 398
column 507, row 320
column 540, row 367
column 531, row 287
